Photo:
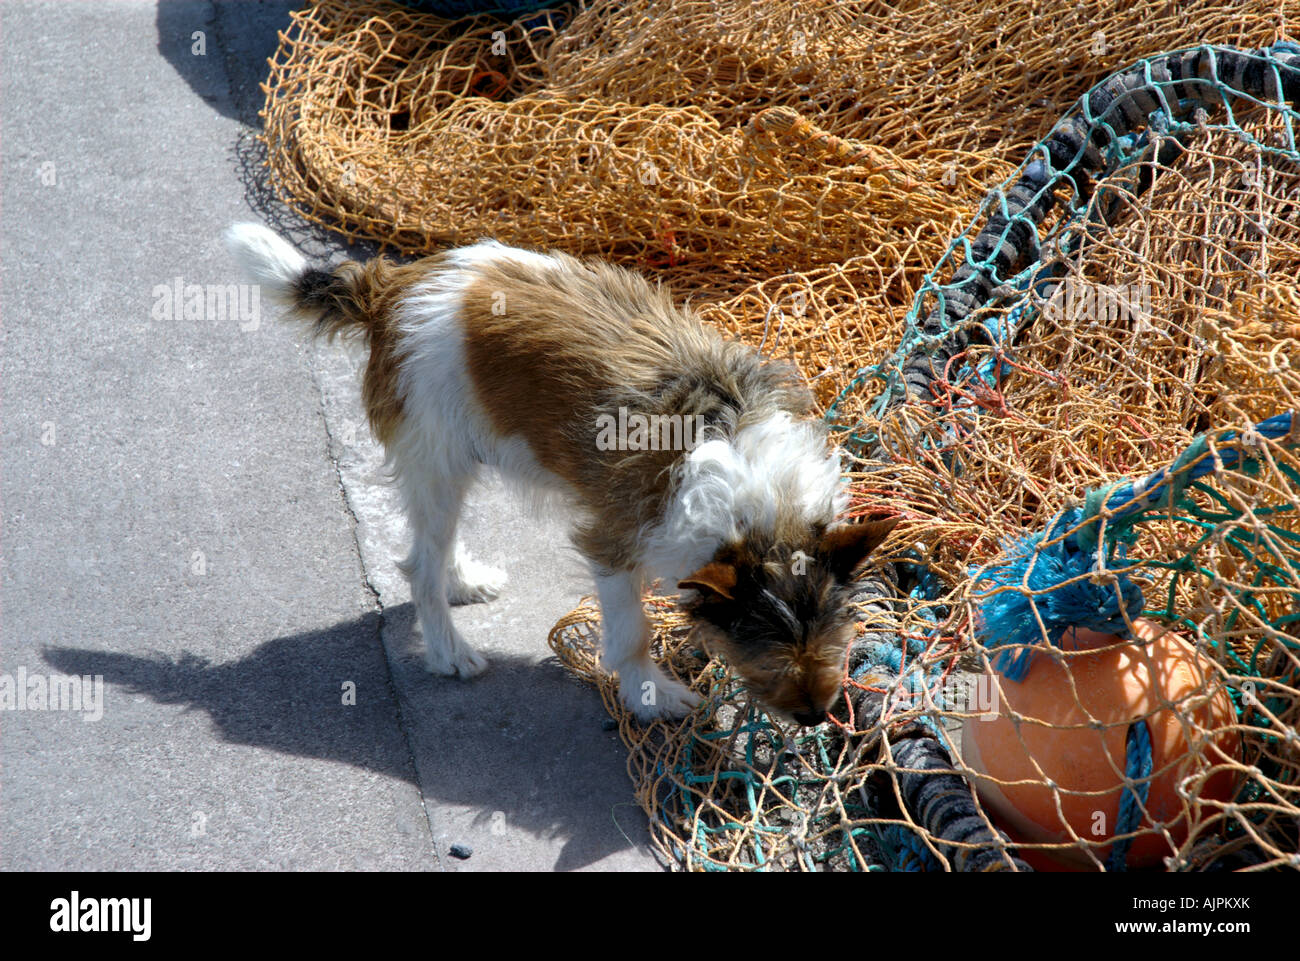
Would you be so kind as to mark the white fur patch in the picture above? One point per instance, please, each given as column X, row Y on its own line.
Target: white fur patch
column 448, row 431
column 492, row 251
column 724, row 488
column 471, row 582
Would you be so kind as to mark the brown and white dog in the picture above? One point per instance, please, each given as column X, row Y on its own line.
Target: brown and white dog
column 537, row 364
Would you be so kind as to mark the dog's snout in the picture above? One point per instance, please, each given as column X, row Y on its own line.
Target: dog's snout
column 810, row 718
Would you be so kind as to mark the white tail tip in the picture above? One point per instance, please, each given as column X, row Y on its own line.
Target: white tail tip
column 266, row 259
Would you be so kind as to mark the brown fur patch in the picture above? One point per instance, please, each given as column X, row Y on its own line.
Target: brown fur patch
column 550, row 352
column 847, row 546
column 715, row 577
column 359, row 299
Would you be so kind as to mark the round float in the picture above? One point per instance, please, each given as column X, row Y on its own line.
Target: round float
column 1118, row 683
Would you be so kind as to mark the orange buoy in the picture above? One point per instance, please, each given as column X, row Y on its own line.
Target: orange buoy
column 1116, row 682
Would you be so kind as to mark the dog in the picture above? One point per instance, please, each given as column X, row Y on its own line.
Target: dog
column 684, row 458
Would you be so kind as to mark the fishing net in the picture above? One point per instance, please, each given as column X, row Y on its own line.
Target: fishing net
column 1075, row 388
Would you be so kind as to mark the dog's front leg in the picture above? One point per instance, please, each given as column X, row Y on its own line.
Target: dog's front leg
column 643, row 686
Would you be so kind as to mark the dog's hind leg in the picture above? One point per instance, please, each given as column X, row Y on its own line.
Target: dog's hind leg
column 433, row 505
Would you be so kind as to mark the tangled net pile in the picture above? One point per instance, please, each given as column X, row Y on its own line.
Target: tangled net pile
column 800, row 171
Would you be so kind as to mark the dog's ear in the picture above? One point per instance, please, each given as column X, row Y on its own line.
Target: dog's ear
column 845, row 547
column 714, row 579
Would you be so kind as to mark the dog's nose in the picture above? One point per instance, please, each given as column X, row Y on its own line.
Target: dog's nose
column 810, row 718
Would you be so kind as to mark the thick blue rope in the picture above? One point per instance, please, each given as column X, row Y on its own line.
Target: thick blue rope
column 1127, row 500
column 1046, row 576
column 886, row 657
column 1137, row 770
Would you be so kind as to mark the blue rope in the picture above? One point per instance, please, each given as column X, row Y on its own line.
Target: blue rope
column 1137, row 769
column 906, row 851
column 1046, row 576
column 1126, row 501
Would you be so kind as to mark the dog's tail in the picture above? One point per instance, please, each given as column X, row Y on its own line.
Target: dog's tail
column 338, row 301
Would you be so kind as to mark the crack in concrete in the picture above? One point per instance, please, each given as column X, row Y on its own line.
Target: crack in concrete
column 330, row 444
column 348, row 506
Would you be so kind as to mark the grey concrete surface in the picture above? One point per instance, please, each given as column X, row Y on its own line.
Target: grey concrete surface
column 194, row 509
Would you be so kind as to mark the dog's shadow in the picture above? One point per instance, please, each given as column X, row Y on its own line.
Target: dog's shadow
column 523, row 745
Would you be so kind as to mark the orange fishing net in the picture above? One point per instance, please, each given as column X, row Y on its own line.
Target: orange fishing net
column 797, row 170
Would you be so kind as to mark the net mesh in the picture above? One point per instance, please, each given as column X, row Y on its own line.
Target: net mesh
column 815, row 176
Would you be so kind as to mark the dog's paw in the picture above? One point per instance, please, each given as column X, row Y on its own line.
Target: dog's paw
column 652, row 695
column 457, row 659
column 470, row 582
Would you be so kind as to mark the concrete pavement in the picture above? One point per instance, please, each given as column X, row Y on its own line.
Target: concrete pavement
column 192, row 507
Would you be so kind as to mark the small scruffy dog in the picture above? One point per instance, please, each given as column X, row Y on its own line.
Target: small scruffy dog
column 684, row 457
